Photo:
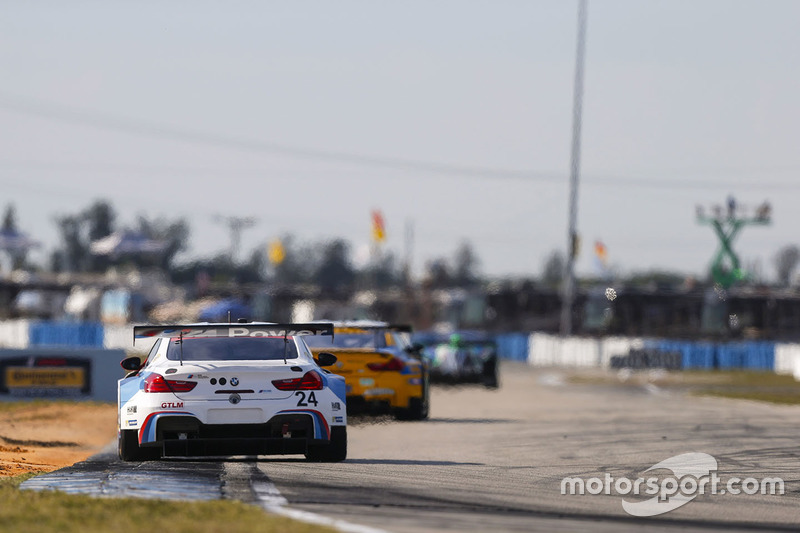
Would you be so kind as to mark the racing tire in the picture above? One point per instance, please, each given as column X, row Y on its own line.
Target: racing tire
column 491, row 383
column 333, row 452
column 489, row 378
column 129, row 449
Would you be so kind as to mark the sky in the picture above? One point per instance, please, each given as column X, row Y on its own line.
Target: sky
column 453, row 118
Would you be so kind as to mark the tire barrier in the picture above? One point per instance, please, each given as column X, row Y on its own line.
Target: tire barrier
column 646, row 358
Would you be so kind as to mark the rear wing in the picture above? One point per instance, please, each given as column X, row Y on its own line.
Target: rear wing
column 369, row 325
column 232, row 330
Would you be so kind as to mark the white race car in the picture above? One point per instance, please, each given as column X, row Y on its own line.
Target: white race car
column 231, row 389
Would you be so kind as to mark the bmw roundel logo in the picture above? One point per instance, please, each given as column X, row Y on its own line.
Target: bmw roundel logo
column 234, row 381
column 234, row 398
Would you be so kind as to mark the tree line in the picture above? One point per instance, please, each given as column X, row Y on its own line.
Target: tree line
column 326, row 264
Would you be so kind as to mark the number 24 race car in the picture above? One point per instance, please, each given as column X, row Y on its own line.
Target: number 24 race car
column 231, row 389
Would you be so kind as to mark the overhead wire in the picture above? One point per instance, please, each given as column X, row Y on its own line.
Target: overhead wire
column 71, row 115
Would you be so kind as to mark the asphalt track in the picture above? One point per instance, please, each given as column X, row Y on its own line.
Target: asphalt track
column 494, row 460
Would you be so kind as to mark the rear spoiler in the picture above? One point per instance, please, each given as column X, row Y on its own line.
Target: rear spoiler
column 401, row 328
column 232, row 330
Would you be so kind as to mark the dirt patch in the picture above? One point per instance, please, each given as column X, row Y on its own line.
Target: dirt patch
column 40, row 443
column 15, row 449
column 42, row 437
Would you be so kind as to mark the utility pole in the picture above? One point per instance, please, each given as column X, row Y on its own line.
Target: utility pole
column 235, row 225
column 572, row 232
column 409, row 252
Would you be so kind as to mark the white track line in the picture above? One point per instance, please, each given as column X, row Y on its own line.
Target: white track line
column 270, row 499
column 239, row 476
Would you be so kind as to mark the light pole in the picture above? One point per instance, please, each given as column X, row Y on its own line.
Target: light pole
column 572, row 233
column 235, row 225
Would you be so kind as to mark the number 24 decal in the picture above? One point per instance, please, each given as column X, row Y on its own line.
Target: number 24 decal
column 302, row 401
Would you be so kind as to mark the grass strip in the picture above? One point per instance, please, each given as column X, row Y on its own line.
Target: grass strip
column 52, row 511
column 754, row 385
column 785, row 398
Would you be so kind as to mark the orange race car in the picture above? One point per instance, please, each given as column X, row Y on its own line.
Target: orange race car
column 383, row 371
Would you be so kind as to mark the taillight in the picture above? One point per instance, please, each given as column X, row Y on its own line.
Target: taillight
column 310, row 381
column 394, row 364
column 157, row 383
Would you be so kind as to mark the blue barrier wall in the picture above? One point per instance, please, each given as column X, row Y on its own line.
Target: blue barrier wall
column 694, row 355
column 749, row 355
column 66, row 334
column 512, row 346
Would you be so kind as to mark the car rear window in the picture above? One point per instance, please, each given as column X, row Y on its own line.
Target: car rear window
column 367, row 339
column 227, row 349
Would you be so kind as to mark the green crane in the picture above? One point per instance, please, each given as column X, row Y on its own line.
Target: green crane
column 727, row 223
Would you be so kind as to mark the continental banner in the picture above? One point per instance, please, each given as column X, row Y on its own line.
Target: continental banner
column 46, row 376
column 49, row 378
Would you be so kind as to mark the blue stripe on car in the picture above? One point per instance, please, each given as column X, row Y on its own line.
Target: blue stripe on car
column 148, row 431
column 127, row 389
column 337, row 386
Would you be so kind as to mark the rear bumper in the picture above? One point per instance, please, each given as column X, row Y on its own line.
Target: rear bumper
column 182, row 435
column 377, row 405
column 374, row 406
column 243, row 446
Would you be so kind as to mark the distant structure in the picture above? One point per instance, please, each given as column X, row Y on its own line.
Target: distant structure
column 235, row 225
column 127, row 242
column 727, row 221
